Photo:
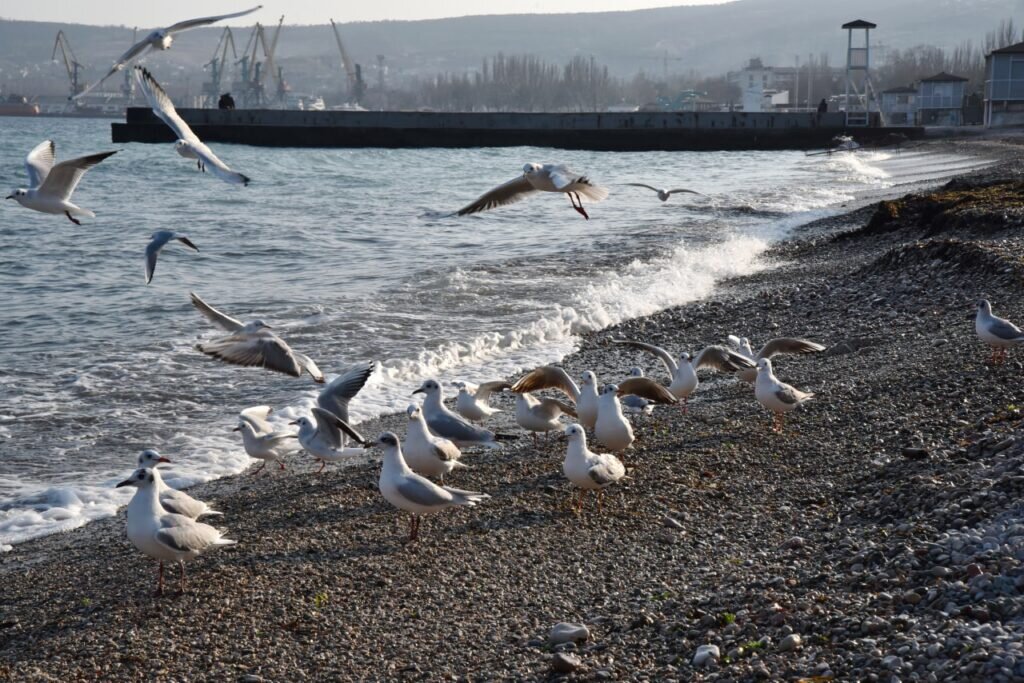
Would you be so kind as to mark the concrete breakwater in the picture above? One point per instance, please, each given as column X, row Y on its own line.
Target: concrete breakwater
column 634, row 131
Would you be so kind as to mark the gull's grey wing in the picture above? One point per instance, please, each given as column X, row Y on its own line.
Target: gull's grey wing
column 336, row 396
column 309, row 366
column 642, row 185
column 647, row 388
column 181, row 503
column 683, row 189
column 551, row 407
column 162, row 106
column 153, row 248
column 257, row 416
column 788, row 345
column 548, row 377
column 450, row 426
column 483, row 392
column 1004, row 329
column 635, row 402
column 609, row 470
column 203, row 21
column 790, row 395
column 63, row 178
column 264, row 350
column 39, row 162
column 423, row 491
column 664, row 356
column 134, row 51
column 332, row 425
column 213, row 164
column 721, row 358
column 216, row 317
column 507, row 193
column 185, row 535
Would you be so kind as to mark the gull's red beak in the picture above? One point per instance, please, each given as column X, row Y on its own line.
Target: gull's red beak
column 163, row 459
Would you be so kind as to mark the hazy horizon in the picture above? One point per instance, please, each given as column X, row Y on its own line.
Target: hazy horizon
column 112, row 13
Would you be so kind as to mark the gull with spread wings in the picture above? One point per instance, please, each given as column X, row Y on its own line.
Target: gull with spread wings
column 53, row 184
column 540, row 178
column 160, row 39
column 188, row 144
column 663, row 195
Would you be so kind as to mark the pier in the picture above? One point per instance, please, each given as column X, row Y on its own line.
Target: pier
column 632, row 131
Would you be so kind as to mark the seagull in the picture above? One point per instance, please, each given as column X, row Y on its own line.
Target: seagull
column 540, row 414
column 684, row 372
column 413, row 493
column 52, row 185
column 158, row 240
column 160, row 39
column 587, row 470
column 773, row 348
column 428, row 455
column 471, row 403
column 540, row 178
column 663, row 195
column 612, row 428
column 178, row 502
column 324, row 438
column 342, row 389
column 260, row 439
column 188, row 144
column 253, row 344
column 448, row 425
column 631, row 403
column 997, row 332
column 163, row 535
column 776, row 396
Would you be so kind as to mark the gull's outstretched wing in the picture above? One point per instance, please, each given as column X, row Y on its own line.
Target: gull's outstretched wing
column 218, row 167
column 647, row 388
column 162, row 106
column 547, row 377
column 216, row 317
column 264, row 350
column 64, row 177
column 508, row 193
column 484, row 391
column 134, row 51
column 39, row 162
column 343, row 388
column 257, row 416
column 664, row 356
column 203, row 21
column 788, row 345
column 332, row 427
column 721, row 358
column 654, row 189
column 684, row 190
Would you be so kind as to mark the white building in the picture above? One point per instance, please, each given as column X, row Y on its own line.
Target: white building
column 899, row 106
column 1004, row 86
column 762, row 87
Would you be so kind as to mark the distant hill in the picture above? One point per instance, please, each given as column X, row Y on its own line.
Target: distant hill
column 708, row 39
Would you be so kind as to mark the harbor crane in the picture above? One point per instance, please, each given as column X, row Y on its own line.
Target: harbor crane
column 71, row 63
column 356, row 85
column 275, row 71
column 250, row 84
column 128, row 83
column 217, row 65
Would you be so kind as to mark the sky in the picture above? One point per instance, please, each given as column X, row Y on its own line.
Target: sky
column 152, row 14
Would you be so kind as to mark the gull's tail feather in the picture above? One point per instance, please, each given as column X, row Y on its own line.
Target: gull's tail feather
column 460, row 497
column 211, row 512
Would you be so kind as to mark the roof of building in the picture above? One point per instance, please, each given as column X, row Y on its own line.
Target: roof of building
column 859, row 23
column 1016, row 48
column 942, row 77
column 900, row 90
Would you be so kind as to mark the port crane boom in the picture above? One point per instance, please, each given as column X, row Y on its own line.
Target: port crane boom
column 71, row 63
column 355, row 79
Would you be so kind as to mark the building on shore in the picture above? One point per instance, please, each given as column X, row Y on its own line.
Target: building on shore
column 899, row 106
column 762, row 87
column 1004, row 87
column 940, row 100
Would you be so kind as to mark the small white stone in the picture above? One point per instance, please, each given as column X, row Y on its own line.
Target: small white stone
column 705, row 654
column 564, row 632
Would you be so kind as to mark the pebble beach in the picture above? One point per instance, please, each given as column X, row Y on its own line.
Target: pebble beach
column 878, row 538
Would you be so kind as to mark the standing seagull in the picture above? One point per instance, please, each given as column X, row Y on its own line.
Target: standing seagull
column 260, row 439
column 325, row 438
column 683, row 373
column 540, row 414
column 997, row 332
column 188, row 144
column 158, row 240
column 448, row 425
column 663, row 195
column 612, row 428
column 160, row 39
column 408, row 491
column 773, row 348
column 428, row 455
column 540, row 178
column 587, row 470
column 776, row 396
column 163, row 535
column 178, row 502
column 252, row 344
column 471, row 403
column 52, row 185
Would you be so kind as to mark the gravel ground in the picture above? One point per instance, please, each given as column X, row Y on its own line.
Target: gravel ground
column 879, row 538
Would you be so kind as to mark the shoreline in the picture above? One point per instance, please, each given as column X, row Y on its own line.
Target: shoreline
column 486, row 583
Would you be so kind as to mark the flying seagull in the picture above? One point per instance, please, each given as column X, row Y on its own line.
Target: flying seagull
column 158, row 240
column 663, row 195
column 540, row 178
column 52, row 185
column 160, row 39
column 252, row 344
column 188, row 144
